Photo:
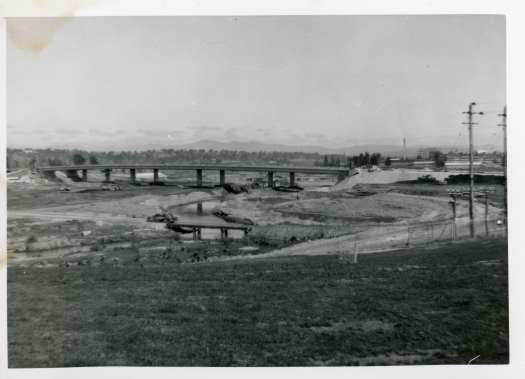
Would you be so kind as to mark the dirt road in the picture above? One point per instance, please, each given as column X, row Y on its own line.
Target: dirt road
column 426, row 229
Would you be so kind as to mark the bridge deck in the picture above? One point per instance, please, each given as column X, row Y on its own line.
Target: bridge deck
column 207, row 167
column 204, row 225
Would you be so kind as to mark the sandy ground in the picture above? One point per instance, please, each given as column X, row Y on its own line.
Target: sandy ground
column 430, row 222
column 390, row 237
column 382, row 205
column 137, row 206
column 389, row 218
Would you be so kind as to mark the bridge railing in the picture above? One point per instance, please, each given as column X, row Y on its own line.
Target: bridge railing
column 226, row 167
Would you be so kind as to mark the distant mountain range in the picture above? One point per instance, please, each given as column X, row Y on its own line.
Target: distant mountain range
column 255, row 146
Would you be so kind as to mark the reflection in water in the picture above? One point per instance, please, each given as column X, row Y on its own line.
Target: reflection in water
column 203, row 209
column 210, row 234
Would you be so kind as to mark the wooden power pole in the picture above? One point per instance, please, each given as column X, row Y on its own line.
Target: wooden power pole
column 470, row 123
column 504, row 125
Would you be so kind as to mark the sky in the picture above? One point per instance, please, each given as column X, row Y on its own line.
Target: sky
column 137, row 83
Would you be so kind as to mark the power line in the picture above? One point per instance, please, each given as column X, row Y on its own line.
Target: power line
column 504, row 125
column 470, row 123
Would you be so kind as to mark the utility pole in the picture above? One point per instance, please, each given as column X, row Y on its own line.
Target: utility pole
column 470, row 123
column 504, row 125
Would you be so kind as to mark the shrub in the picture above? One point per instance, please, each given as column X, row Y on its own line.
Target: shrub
column 96, row 247
column 428, row 179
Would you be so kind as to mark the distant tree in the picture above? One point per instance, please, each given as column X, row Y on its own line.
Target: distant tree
column 78, row 159
column 55, row 162
column 32, row 163
column 388, row 162
column 367, row 159
column 92, row 160
column 439, row 158
column 374, row 159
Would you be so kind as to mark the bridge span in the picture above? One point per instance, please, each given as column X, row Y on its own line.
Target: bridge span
column 341, row 173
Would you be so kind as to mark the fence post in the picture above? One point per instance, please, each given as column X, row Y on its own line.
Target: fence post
column 487, row 213
column 453, row 204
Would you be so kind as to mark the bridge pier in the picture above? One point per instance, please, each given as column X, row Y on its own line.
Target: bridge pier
column 155, row 175
column 199, row 177
column 81, row 170
column 270, row 179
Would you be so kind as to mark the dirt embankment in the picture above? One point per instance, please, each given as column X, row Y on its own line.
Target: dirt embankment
column 307, row 223
column 379, row 207
column 397, row 235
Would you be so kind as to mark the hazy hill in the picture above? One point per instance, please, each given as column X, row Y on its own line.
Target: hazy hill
column 255, row 146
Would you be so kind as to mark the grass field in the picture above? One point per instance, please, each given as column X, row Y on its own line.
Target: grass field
column 421, row 306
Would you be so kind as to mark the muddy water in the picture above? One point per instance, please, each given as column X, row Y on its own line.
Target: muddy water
column 210, row 234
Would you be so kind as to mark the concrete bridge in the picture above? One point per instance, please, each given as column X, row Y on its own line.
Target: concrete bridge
column 196, row 228
column 341, row 173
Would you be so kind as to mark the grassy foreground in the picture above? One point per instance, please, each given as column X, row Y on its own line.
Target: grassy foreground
column 432, row 306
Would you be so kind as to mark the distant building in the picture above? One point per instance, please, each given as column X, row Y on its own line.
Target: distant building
column 462, row 164
column 400, row 163
column 423, row 164
column 426, row 153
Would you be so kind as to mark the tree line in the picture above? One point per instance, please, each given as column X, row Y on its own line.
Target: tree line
column 25, row 158
column 363, row 159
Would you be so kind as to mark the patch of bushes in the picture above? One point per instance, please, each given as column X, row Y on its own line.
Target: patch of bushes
column 98, row 246
column 425, row 179
column 31, row 239
column 478, row 179
column 73, row 175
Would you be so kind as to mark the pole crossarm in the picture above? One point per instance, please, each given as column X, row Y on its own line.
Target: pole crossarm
column 471, row 123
